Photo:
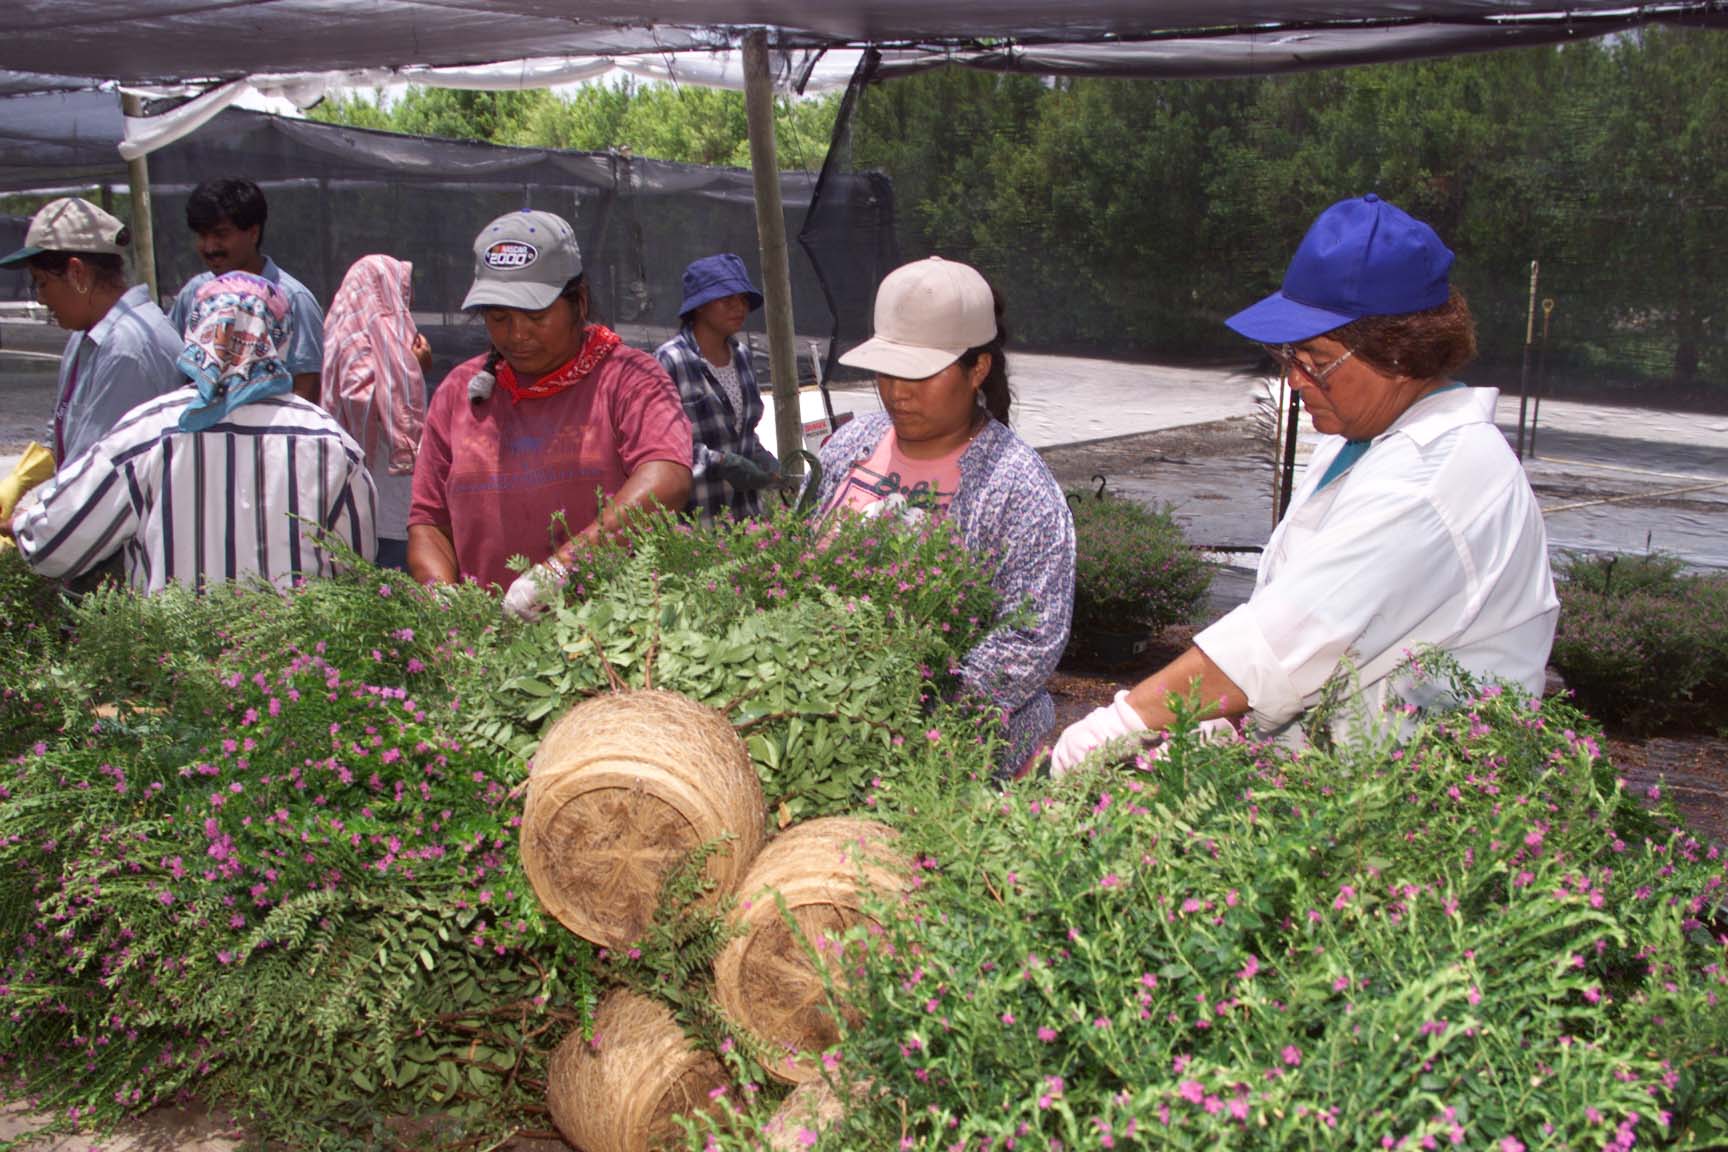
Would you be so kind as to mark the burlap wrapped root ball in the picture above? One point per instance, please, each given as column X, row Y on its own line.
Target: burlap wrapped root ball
column 765, row 978
column 622, row 1090
column 623, row 787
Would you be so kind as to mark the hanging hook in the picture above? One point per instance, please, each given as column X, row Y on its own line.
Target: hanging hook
column 1099, row 495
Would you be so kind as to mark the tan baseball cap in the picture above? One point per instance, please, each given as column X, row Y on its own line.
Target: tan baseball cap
column 927, row 314
column 71, row 224
column 523, row 260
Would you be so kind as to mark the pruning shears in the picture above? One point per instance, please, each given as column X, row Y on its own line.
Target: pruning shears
column 809, row 483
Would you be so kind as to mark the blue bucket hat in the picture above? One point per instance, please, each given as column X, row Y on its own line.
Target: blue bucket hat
column 714, row 277
column 1361, row 257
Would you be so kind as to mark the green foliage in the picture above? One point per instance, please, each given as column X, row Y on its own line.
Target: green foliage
column 31, row 617
column 261, row 845
column 1136, row 215
column 1641, row 645
column 270, row 876
column 828, row 650
column 1475, row 938
column 1133, row 570
column 665, row 122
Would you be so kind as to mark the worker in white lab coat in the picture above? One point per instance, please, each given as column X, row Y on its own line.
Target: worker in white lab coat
column 1414, row 526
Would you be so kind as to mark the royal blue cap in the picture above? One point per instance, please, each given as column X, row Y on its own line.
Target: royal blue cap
column 1361, row 257
column 713, row 277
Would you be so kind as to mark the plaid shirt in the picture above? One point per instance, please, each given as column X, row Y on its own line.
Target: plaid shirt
column 715, row 427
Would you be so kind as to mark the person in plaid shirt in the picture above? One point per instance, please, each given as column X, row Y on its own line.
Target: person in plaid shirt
column 729, row 465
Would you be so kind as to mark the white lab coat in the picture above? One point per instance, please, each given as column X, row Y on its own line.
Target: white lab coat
column 1433, row 538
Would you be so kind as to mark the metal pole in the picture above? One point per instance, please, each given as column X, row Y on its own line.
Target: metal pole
column 1291, row 429
column 143, row 230
column 1524, row 371
column 1541, row 374
column 771, row 232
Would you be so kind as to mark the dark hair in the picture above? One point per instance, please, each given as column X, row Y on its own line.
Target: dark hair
column 240, row 202
column 108, row 268
column 997, row 399
column 1427, row 345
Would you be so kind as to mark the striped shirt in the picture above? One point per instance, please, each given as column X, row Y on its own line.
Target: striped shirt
column 240, row 499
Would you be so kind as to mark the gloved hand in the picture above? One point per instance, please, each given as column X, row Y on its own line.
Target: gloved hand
column 535, row 592
column 741, row 472
column 1100, row 726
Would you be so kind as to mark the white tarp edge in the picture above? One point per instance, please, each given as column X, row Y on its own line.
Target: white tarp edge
column 791, row 71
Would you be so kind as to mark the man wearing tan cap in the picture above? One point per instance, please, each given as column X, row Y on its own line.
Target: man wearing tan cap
column 122, row 349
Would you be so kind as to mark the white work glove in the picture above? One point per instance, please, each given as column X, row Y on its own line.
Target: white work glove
column 1098, row 727
column 535, row 592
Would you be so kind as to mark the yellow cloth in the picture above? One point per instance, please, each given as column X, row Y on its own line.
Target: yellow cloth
column 35, row 466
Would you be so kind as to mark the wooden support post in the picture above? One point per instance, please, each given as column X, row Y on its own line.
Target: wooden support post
column 143, row 229
column 771, row 232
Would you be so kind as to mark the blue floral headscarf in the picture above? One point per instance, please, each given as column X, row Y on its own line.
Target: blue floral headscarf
column 236, row 330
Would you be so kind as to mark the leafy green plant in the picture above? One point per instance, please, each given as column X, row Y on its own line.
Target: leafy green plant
column 829, row 653
column 1641, row 645
column 261, row 845
column 1133, row 570
column 31, row 617
column 1475, row 940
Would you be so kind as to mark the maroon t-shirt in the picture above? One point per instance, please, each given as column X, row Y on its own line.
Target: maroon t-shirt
column 493, row 472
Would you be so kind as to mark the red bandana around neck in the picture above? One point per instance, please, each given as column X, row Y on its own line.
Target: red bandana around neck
column 597, row 344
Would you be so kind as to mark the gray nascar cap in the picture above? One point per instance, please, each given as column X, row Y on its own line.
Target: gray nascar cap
column 523, row 260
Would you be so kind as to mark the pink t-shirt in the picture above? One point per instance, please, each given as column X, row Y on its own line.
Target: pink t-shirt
column 493, row 472
column 928, row 485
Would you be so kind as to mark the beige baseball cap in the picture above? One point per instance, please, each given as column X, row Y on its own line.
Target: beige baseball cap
column 927, row 314
column 71, row 224
column 523, row 260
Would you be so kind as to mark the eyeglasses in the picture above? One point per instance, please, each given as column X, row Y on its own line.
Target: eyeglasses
column 1316, row 375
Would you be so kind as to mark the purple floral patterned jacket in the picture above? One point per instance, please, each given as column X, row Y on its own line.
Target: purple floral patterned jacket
column 1010, row 506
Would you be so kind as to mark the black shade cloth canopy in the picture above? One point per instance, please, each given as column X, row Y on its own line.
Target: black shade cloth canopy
column 50, row 44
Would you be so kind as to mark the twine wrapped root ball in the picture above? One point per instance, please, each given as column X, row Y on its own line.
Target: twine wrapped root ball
column 623, row 787
column 623, row 1090
column 765, row 978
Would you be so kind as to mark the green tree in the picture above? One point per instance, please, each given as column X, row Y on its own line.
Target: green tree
column 354, row 110
column 1663, row 193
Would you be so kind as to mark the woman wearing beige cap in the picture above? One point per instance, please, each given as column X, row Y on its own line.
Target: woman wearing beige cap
column 122, row 349
column 943, row 448
column 518, row 442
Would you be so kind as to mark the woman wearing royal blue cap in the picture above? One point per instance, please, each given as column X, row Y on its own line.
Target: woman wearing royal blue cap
column 1414, row 526
column 729, row 465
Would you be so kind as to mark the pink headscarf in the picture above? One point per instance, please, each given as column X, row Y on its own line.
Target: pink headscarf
column 372, row 384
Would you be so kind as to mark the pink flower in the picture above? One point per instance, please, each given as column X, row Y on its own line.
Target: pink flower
column 934, row 736
column 1047, row 1035
column 1191, row 1091
column 1292, row 1055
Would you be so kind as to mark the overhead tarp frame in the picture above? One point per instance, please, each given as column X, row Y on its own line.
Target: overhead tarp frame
column 181, row 40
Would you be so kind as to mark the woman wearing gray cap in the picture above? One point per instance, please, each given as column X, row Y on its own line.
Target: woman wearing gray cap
column 1414, row 527
column 520, row 444
column 122, row 350
column 944, row 448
